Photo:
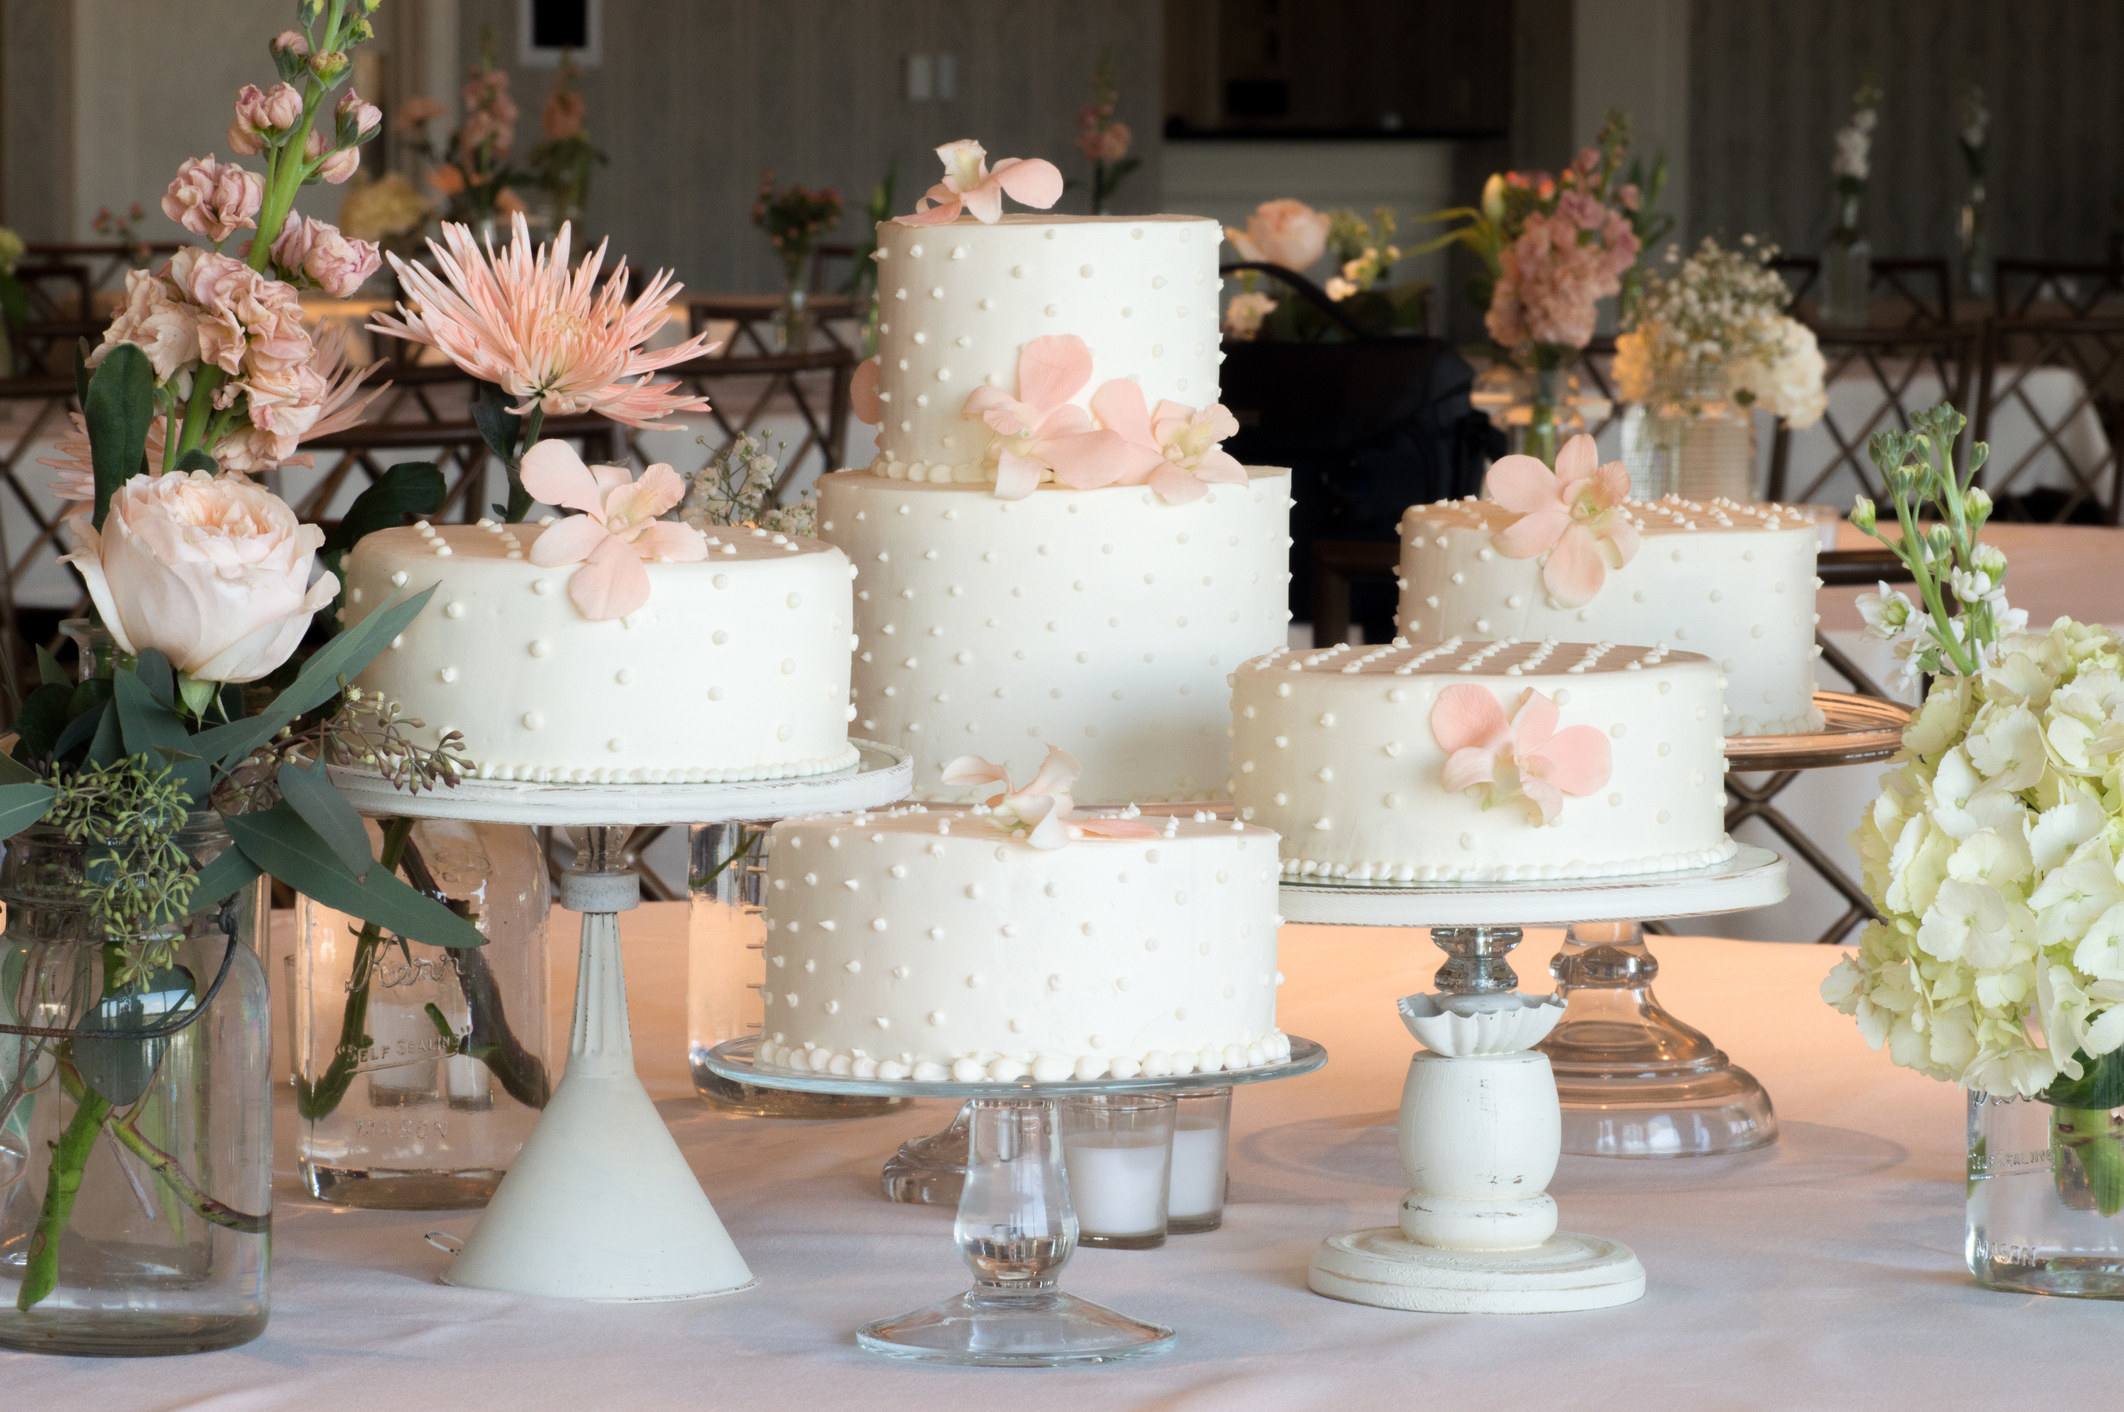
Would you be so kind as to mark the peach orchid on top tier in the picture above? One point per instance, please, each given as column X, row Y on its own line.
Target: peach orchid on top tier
column 1523, row 759
column 1574, row 515
column 1041, row 813
column 619, row 527
column 971, row 186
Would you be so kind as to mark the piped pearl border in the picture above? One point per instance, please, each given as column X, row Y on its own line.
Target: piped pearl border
column 1306, row 868
column 1272, row 1048
column 561, row 774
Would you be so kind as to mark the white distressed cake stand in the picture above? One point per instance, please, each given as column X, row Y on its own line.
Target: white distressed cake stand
column 1634, row 1080
column 600, row 1204
column 1016, row 1225
column 1479, row 1111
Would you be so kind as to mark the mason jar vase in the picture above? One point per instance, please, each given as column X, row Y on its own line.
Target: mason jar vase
column 2045, row 1197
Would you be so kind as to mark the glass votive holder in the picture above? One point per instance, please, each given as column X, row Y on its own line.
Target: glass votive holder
column 1117, row 1149
column 1202, row 1128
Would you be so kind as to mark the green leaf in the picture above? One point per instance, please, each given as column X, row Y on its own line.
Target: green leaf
column 43, row 717
column 107, row 746
column 315, row 684
column 220, row 879
column 22, row 805
column 198, row 460
column 154, row 671
column 152, row 729
column 49, row 671
column 408, row 488
column 280, row 843
column 78, row 730
column 81, row 371
column 499, row 427
column 2100, row 1085
column 326, row 810
column 13, row 771
column 119, row 407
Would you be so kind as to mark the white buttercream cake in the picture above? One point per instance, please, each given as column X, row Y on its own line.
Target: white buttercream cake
column 736, row 668
column 1734, row 582
column 925, row 944
column 1345, row 753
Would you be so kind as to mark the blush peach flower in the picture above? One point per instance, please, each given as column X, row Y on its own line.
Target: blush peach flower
column 618, row 529
column 1285, row 232
column 1524, row 759
column 1575, row 516
column 863, row 397
column 157, row 322
column 1042, row 813
column 318, row 251
column 545, row 334
column 1039, row 429
column 213, row 200
column 972, row 186
column 1177, row 450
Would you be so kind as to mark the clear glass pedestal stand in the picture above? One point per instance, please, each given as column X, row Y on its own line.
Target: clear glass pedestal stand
column 1016, row 1226
column 1633, row 1080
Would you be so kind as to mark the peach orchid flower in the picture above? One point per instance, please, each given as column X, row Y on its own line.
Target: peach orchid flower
column 1040, row 429
column 1525, row 759
column 1177, row 449
column 1040, row 813
column 1575, row 516
column 617, row 530
column 863, row 396
column 543, row 333
column 971, row 185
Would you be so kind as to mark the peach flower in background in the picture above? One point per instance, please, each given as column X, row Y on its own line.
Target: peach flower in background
column 1102, row 144
column 1524, row 759
column 1176, row 449
column 211, row 571
column 543, row 333
column 316, row 250
column 972, row 186
column 447, row 180
column 563, row 116
column 1284, row 232
column 213, row 200
column 618, row 529
column 1041, row 430
column 863, row 393
column 416, row 113
column 1041, row 813
column 1575, row 516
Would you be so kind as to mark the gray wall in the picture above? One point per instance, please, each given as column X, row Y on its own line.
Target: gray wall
column 694, row 99
column 1772, row 81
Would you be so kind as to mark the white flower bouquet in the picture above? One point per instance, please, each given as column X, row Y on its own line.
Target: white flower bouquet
column 1714, row 326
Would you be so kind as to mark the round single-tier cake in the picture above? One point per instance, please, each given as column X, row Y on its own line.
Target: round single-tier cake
column 928, row 944
column 1733, row 582
column 957, row 303
column 1103, row 621
column 736, row 667
column 1482, row 761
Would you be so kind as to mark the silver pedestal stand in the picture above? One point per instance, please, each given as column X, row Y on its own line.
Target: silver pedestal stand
column 1460, row 1093
column 600, row 1203
column 1016, row 1227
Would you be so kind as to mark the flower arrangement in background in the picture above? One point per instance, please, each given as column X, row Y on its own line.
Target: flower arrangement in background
column 563, row 160
column 125, row 230
column 793, row 218
column 1973, row 137
column 1292, row 234
column 387, row 211
column 1282, row 232
column 1853, row 163
column 1364, row 250
column 471, row 170
column 1103, row 139
column 1992, row 851
column 542, row 336
column 1714, row 328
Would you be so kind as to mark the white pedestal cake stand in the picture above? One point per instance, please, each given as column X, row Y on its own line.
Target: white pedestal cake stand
column 1016, row 1225
column 600, row 1204
column 1479, row 1113
column 1634, row 1080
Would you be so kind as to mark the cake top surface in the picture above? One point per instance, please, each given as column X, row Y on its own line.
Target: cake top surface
column 1668, row 515
column 1019, row 220
column 971, row 824
column 1047, row 491
column 490, row 541
column 1510, row 657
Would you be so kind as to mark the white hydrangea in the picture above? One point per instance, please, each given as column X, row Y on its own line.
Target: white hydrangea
column 1992, row 853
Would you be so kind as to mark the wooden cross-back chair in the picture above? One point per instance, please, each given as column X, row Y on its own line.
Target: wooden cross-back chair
column 1921, row 283
column 743, row 390
column 2073, row 289
column 2015, row 352
column 1940, row 358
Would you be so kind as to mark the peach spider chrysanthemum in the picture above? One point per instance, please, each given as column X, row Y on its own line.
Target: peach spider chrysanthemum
column 543, row 333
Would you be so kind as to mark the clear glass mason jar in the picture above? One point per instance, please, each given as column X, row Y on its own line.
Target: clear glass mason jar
column 2046, row 1197
column 420, row 1070
column 152, row 1103
column 1847, row 269
column 1689, row 439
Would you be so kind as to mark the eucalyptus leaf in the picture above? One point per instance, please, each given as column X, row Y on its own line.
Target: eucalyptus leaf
column 408, row 488
column 49, row 672
column 153, row 730
column 78, row 731
column 118, row 409
column 82, row 372
column 198, row 460
column 326, row 810
column 219, row 879
column 13, row 771
column 107, row 746
column 154, row 672
column 280, row 843
column 23, row 804
column 120, row 1069
column 44, row 715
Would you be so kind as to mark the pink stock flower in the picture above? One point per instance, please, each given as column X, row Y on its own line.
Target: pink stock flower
column 971, row 185
column 318, row 251
column 1102, row 144
column 544, row 334
column 338, row 402
column 1575, row 516
column 338, row 163
column 291, row 41
column 1524, row 759
column 617, row 530
column 1177, row 449
column 1032, row 433
column 214, row 200
column 157, row 322
column 563, row 116
column 248, row 322
column 1285, row 232
column 1559, row 268
column 1040, row 813
column 367, row 116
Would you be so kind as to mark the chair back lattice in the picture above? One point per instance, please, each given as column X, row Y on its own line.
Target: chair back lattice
column 2065, row 379
column 1919, row 287
column 2070, row 289
column 1906, row 370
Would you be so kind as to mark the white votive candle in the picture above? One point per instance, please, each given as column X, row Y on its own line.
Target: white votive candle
column 1117, row 1182
column 1198, row 1168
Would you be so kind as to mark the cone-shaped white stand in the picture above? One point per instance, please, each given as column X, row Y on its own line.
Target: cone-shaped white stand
column 600, row 1204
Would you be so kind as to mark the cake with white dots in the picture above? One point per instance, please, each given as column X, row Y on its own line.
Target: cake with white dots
column 1482, row 761
column 735, row 667
column 1051, row 549
column 930, row 944
column 1733, row 582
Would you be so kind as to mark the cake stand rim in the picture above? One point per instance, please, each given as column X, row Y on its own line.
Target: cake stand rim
column 1875, row 732
column 732, row 1059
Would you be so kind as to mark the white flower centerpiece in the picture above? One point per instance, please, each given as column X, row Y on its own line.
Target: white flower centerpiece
column 1992, row 854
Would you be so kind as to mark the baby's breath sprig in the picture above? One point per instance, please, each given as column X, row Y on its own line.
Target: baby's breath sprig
column 737, row 487
column 137, row 879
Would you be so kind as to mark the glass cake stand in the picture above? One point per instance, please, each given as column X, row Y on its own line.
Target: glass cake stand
column 600, row 1203
column 1633, row 1080
column 1016, row 1226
